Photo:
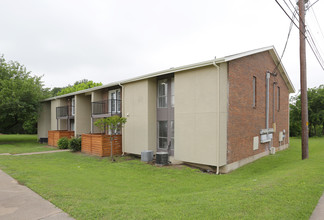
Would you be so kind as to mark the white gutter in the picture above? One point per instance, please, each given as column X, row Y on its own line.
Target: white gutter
column 218, row 153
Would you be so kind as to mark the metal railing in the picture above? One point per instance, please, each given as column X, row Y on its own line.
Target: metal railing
column 111, row 107
column 64, row 111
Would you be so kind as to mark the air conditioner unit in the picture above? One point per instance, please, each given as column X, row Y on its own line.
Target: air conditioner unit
column 147, row 155
column 162, row 158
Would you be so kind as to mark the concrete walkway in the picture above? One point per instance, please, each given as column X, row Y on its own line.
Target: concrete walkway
column 318, row 213
column 41, row 152
column 18, row 202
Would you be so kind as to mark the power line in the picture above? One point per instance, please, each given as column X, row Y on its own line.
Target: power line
column 312, row 5
column 289, row 16
column 313, row 39
column 318, row 56
column 292, row 4
column 318, row 23
column 293, row 11
column 283, row 52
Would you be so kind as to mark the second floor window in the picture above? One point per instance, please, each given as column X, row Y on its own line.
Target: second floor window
column 73, row 106
column 114, row 101
column 162, row 93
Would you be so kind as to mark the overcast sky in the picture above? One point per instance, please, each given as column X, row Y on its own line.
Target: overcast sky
column 107, row 41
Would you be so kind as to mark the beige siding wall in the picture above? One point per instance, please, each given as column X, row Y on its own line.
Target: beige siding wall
column 54, row 103
column 44, row 120
column 139, row 108
column 198, row 111
column 97, row 96
column 82, row 118
column 223, row 113
column 152, row 130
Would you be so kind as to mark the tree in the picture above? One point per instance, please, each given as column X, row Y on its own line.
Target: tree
column 20, row 95
column 55, row 91
column 112, row 124
column 315, row 112
column 78, row 85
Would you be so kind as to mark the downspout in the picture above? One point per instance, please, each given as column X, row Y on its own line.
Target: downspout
column 267, row 99
column 91, row 120
column 122, row 95
column 218, row 153
column 267, row 105
column 274, row 103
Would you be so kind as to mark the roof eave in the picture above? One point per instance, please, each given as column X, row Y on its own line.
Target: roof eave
column 155, row 74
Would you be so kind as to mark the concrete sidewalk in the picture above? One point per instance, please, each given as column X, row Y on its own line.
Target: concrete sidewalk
column 32, row 153
column 318, row 213
column 42, row 152
column 18, row 202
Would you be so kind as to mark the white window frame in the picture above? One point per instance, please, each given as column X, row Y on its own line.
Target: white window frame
column 117, row 104
column 73, row 106
column 165, row 95
column 172, row 92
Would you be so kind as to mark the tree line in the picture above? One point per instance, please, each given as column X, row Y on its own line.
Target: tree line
column 21, row 93
column 315, row 112
column 20, row 96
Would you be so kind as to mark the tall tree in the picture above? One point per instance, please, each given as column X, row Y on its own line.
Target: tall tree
column 315, row 112
column 20, row 94
column 79, row 85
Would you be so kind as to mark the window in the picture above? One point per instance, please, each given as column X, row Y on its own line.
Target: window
column 278, row 98
column 73, row 106
column 172, row 134
column 172, row 92
column 254, row 92
column 114, row 101
column 162, row 93
column 163, row 134
column 72, row 125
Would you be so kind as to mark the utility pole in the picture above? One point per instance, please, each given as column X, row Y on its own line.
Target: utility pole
column 303, row 78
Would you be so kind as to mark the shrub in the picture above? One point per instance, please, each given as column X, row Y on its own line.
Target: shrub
column 75, row 144
column 63, row 143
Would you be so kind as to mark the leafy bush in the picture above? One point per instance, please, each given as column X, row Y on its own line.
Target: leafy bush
column 63, row 143
column 75, row 144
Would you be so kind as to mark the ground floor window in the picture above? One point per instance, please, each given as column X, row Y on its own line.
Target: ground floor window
column 172, row 134
column 163, row 134
column 72, row 125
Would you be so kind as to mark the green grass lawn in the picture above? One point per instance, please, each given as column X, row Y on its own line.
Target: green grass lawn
column 280, row 186
column 15, row 144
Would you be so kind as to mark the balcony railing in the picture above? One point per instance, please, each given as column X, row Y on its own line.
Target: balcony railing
column 64, row 111
column 106, row 107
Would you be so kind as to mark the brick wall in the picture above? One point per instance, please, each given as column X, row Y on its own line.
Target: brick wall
column 244, row 121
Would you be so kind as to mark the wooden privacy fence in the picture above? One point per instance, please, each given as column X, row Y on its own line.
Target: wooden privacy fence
column 99, row 144
column 54, row 136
